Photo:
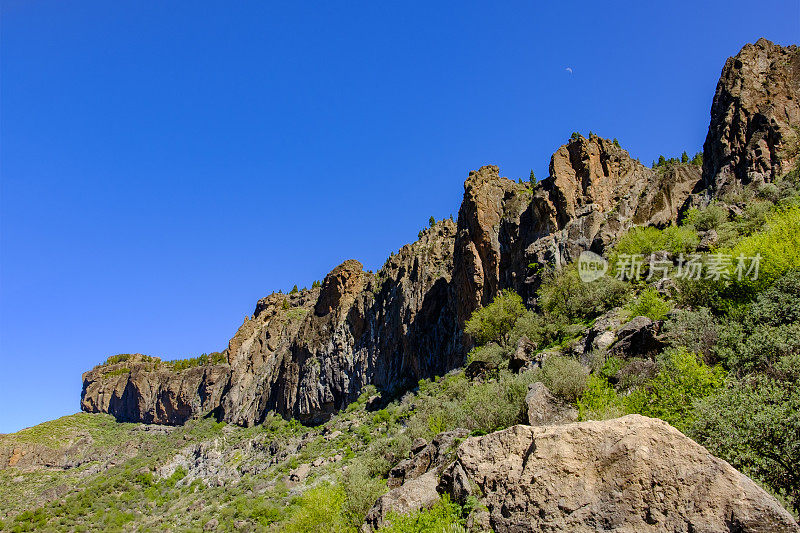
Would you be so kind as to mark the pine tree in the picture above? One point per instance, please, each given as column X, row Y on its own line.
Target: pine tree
column 532, row 178
column 431, row 222
column 294, row 290
column 684, row 157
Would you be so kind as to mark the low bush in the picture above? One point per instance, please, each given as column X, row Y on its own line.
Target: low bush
column 564, row 294
column 777, row 246
column 600, row 400
column 646, row 240
column 318, row 509
column 564, row 376
column 494, row 322
column 544, row 330
column 444, row 517
column 670, row 396
column 753, row 424
column 697, row 331
column 650, row 304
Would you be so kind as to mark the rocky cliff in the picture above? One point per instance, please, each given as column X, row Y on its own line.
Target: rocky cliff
column 307, row 355
column 753, row 136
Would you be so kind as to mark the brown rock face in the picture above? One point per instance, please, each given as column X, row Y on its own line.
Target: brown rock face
column 143, row 390
column 631, row 474
column 595, row 193
column 754, row 117
column 389, row 329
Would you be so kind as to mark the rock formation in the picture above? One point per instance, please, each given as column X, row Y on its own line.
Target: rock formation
column 630, row 474
column 753, row 136
column 307, row 355
column 142, row 389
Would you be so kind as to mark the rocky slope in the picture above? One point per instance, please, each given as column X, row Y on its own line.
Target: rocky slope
column 308, row 355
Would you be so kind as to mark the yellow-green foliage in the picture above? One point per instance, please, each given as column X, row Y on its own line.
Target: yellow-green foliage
column 493, row 323
column 443, row 517
column 670, row 396
column 318, row 509
column 600, row 401
column 778, row 245
column 646, row 240
column 650, row 304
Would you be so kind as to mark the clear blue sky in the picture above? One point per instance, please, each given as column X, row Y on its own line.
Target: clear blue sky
column 166, row 164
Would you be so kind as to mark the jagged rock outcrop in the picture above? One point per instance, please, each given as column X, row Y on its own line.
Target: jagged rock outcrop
column 630, row 474
column 388, row 329
column 753, row 135
column 595, row 192
column 142, row 389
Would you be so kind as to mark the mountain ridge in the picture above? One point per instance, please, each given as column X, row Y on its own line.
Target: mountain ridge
column 308, row 355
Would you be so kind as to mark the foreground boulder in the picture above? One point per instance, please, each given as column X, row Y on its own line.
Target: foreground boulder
column 630, row 474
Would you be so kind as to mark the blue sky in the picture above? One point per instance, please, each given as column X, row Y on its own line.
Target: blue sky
column 166, row 164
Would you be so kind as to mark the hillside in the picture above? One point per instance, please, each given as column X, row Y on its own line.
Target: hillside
column 479, row 380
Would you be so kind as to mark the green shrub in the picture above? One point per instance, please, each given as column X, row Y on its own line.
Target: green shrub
column 767, row 330
column 646, row 240
column 318, row 509
column 491, row 353
column 670, row 396
column 713, row 216
column 564, row 294
column 494, row 322
column 753, row 424
column 599, row 400
column 650, row 304
column 215, row 358
column 361, row 490
column 697, row 331
column 544, row 329
column 779, row 248
column 564, row 376
column 444, row 517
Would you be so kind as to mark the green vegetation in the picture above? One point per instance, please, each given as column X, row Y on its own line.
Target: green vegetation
column 215, row 358
column 650, row 304
column 445, row 516
column 493, row 323
column 664, row 162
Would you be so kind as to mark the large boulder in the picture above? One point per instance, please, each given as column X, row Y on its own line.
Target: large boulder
column 630, row 474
